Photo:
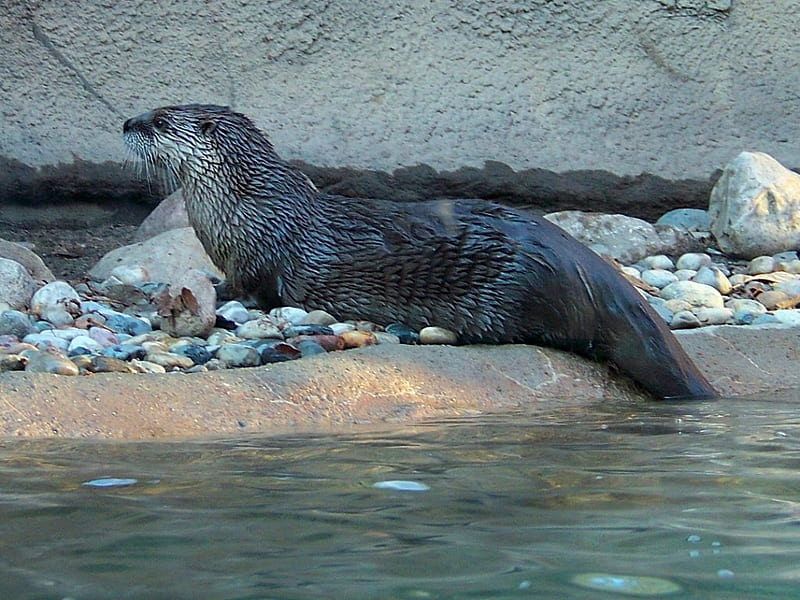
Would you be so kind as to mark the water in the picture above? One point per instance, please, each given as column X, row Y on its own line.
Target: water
column 705, row 497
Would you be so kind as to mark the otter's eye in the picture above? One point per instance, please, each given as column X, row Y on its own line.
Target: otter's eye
column 160, row 123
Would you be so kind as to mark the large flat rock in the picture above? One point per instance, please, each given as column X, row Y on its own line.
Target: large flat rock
column 371, row 386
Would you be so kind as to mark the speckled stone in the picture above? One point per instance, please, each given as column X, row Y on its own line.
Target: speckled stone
column 144, row 366
column 713, row 277
column 50, row 361
column 16, row 323
column 107, row 364
column 259, row 329
column 291, row 314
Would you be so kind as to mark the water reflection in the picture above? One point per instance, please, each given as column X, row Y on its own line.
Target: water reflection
column 700, row 495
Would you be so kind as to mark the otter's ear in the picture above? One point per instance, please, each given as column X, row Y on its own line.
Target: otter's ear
column 207, row 127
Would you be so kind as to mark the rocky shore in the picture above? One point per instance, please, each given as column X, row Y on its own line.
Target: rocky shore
column 152, row 308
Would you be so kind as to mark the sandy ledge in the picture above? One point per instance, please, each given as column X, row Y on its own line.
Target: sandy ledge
column 371, row 386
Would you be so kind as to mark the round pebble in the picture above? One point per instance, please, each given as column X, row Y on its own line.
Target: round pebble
column 383, row 337
column 685, row 274
column 713, row 277
column 291, row 314
column 789, row 266
column 358, row 338
column 404, row 333
column 771, row 299
column 789, row 317
column 745, row 310
column 198, row 354
column 693, row 261
column 713, row 316
column 437, row 335
column 309, row 348
column 790, row 286
column 46, row 361
column 83, row 344
column 340, row 328
column 658, row 278
column 16, row 323
column 318, row 317
column 684, row 319
column 238, row 355
column 145, row 366
column 659, row 262
column 295, row 330
column 12, row 362
column 259, row 329
column 107, row 364
column 130, row 274
column 234, row 311
column 120, row 323
column 694, row 293
column 331, row 343
column 55, row 293
column 761, row 264
column 169, row 360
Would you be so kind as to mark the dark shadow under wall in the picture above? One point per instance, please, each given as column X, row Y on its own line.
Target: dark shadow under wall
column 116, row 195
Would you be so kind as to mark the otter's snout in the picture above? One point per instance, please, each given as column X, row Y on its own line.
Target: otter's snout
column 135, row 122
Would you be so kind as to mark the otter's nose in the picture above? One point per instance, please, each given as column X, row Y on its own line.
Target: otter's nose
column 134, row 121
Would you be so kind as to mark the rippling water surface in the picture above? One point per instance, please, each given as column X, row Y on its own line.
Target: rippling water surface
column 704, row 497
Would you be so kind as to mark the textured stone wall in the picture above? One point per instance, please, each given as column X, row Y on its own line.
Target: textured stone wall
column 672, row 87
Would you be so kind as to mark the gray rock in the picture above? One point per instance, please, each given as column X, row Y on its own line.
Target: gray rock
column 16, row 323
column 745, row 310
column 238, row 355
column 16, row 284
column 129, row 274
column 754, row 207
column 685, row 274
column 234, row 311
column 789, row 266
column 56, row 295
column 789, row 317
column 626, row 239
column 694, row 293
column 659, row 261
column 259, row 329
column 687, row 219
column 50, row 361
column 83, row 344
column 318, row 317
column 437, row 335
column 790, row 286
column 713, row 316
column 290, row 314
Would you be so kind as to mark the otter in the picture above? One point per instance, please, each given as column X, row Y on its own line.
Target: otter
column 487, row 272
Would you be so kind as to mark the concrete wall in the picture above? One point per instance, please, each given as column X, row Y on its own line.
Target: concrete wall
column 672, row 87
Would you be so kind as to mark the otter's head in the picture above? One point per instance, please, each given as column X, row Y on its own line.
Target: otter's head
column 194, row 141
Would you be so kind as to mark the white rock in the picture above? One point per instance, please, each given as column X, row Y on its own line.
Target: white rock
column 130, row 274
column 234, row 311
column 685, row 274
column 659, row 261
column 788, row 316
column 626, row 239
column 632, row 272
column 754, row 208
column 259, row 329
column 169, row 214
column 291, row 314
column 56, row 294
column 694, row 293
column 84, row 342
column 32, row 263
column 790, row 286
column 713, row 316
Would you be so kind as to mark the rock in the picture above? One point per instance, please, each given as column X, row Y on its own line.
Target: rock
column 789, row 317
column 83, row 344
column 16, row 323
column 32, row 263
column 437, row 335
column 129, row 274
column 318, row 317
column 693, row 261
column 659, row 261
column 790, row 286
column 12, row 362
column 340, row 328
column 259, row 329
column 169, row 214
column 57, row 295
column 772, row 298
column 16, row 284
column 357, row 338
column 120, row 323
column 187, row 307
column 238, row 355
column 166, row 257
column 107, row 364
column 289, row 314
column 694, row 293
column 169, row 360
column 713, row 316
column 745, row 310
column 687, row 219
column 330, row 343
column 685, row 274
column 754, row 208
column 789, row 266
column 713, row 277
column 50, row 361
column 626, row 239
column 145, row 366
column 684, row 319
column 403, row 332
column 295, row 330
column 761, row 264
column 198, row 354
column 124, row 351
column 234, row 311
column 658, row 278
column 383, row 337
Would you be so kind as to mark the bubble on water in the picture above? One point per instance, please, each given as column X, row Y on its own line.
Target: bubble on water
column 693, row 539
column 630, row 585
column 401, row 485
column 525, row 585
column 107, row 482
column 694, row 553
column 724, row 573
